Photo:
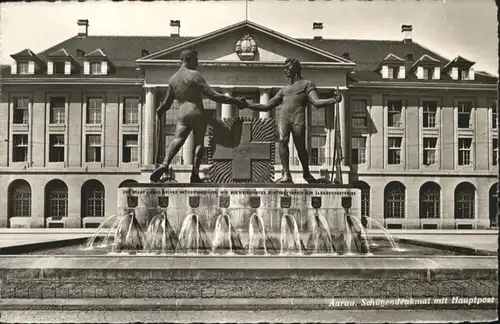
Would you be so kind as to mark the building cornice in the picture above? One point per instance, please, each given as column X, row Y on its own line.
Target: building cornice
column 75, row 81
column 236, row 86
column 246, row 65
column 423, row 85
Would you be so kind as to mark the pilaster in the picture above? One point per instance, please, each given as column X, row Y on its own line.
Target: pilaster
column 149, row 121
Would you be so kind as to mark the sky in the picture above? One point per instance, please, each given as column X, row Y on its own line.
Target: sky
column 448, row 27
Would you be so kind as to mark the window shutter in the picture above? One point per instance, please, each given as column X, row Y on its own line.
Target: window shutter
column 437, row 73
column 385, row 72
column 104, row 67
column 67, row 67
column 50, row 67
column 86, row 67
column 13, row 68
column 454, row 73
column 402, row 72
column 471, row 74
column 31, row 67
column 420, row 72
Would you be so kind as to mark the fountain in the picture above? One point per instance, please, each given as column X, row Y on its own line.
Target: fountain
column 290, row 241
column 321, row 238
column 256, row 221
column 175, row 246
column 387, row 235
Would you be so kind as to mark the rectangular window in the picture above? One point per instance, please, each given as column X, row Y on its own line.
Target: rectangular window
column 94, row 110
column 464, row 114
column 394, row 150
column 430, row 112
column 494, row 115
column 393, row 72
column 130, row 148
column 20, row 148
column 430, row 150
column 394, row 111
column 93, row 148
column 21, row 111
column 358, row 153
column 59, row 67
column 57, row 110
column 318, row 116
column 428, row 72
column 495, row 151
column 56, row 149
column 317, row 156
column 95, row 68
column 464, row 74
column 359, row 113
column 464, row 151
column 23, row 68
column 131, row 111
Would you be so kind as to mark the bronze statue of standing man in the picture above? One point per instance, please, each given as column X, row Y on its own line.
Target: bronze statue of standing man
column 294, row 99
column 188, row 86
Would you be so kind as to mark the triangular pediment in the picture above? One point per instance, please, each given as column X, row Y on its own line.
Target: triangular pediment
column 247, row 42
column 393, row 58
column 425, row 60
column 27, row 54
column 96, row 53
column 459, row 61
column 59, row 53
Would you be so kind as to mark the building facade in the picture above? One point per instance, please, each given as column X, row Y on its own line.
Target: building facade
column 419, row 132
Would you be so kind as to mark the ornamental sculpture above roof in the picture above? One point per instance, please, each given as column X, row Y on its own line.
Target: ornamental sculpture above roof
column 246, row 48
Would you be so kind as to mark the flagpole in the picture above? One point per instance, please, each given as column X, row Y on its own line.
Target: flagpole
column 336, row 176
column 246, row 9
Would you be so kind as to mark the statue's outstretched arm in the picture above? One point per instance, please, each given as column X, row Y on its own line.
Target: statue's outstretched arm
column 166, row 103
column 273, row 103
column 319, row 103
column 214, row 95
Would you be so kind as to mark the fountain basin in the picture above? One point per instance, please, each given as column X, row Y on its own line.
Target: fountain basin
column 215, row 282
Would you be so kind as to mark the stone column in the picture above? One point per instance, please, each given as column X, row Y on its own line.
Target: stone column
column 343, row 126
column 149, row 117
column 187, row 150
column 330, row 133
column 74, row 207
column 227, row 109
column 264, row 99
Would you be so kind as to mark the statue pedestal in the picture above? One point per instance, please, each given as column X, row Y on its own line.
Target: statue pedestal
column 273, row 212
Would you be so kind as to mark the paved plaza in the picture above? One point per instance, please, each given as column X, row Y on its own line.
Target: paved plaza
column 325, row 316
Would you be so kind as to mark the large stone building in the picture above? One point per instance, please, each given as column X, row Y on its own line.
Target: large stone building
column 419, row 133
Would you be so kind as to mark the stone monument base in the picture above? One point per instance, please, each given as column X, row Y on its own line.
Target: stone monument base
column 256, row 218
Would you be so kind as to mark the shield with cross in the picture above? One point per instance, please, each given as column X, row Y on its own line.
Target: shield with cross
column 241, row 150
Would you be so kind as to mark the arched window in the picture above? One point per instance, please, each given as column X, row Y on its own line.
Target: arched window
column 465, row 201
column 56, row 199
column 19, row 199
column 93, row 199
column 494, row 205
column 394, row 196
column 430, row 199
column 127, row 182
column 365, row 200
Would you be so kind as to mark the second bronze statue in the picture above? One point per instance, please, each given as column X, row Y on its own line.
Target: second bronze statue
column 188, row 86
